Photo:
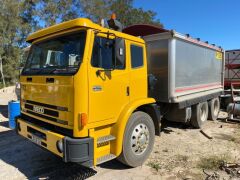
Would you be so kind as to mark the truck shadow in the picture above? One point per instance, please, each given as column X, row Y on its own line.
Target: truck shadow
column 167, row 127
column 33, row 162
column 114, row 164
column 4, row 110
column 4, row 124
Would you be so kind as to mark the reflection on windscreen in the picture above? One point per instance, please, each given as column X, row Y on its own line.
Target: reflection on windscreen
column 61, row 55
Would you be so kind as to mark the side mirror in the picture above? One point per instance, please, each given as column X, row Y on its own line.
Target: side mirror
column 119, row 53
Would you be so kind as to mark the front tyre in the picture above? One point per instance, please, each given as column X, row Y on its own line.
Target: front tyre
column 138, row 139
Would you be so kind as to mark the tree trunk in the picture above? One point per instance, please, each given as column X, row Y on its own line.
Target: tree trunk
column 1, row 71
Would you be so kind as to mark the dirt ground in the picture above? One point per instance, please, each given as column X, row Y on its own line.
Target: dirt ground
column 179, row 153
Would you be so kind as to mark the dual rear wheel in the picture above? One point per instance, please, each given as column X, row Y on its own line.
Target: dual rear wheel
column 204, row 111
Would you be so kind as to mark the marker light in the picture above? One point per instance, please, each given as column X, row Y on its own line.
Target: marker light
column 83, row 119
column 113, row 16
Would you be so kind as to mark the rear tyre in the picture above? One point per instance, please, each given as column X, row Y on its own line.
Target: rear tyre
column 138, row 139
column 214, row 108
column 199, row 115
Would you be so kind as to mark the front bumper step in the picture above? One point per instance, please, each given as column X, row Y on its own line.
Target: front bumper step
column 105, row 139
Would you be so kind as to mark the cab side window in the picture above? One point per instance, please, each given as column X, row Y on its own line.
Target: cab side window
column 136, row 56
column 103, row 54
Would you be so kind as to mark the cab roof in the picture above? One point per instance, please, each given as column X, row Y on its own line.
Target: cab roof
column 77, row 23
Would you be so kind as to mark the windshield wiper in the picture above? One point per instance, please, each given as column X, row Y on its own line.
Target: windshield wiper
column 32, row 69
column 52, row 70
column 40, row 70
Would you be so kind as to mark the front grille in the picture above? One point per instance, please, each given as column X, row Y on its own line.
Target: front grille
column 47, row 105
column 45, row 125
column 41, row 110
column 48, row 118
column 42, row 116
column 46, row 111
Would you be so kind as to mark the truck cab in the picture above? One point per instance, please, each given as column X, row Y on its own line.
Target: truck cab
column 84, row 94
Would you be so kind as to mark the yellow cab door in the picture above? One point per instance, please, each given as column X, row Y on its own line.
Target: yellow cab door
column 108, row 81
column 138, row 70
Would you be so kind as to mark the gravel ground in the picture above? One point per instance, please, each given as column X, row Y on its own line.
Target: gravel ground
column 178, row 154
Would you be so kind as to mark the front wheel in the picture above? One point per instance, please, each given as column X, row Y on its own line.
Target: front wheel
column 138, row 139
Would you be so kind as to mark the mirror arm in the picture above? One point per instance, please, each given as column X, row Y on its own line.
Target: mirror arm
column 98, row 72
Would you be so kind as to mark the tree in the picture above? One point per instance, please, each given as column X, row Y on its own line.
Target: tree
column 28, row 19
column 50, row 12
column 9, row 50
column 96, row 9
column 126, row 13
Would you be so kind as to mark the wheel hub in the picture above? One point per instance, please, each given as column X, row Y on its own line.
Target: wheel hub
column 140, row 139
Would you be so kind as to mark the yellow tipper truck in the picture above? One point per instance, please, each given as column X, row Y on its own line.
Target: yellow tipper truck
column 91, row 93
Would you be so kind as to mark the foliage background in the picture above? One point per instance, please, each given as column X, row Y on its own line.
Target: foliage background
column 18, row 18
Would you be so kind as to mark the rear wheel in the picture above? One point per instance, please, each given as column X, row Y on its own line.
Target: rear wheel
column 214, row 108
column 199, row 115
column 138, row 139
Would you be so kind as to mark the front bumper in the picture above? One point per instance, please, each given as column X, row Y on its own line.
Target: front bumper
column 69, row 149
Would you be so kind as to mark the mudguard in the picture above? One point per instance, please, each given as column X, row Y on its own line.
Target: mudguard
column 119, row 128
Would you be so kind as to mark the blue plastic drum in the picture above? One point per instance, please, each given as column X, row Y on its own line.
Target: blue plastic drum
column 13, row 111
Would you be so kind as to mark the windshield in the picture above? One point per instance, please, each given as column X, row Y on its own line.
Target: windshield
column 61, row 55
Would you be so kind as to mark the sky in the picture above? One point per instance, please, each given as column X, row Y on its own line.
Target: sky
column 215, row 21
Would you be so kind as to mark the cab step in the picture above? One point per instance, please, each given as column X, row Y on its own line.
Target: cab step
column 105, row 158
column 105, row 139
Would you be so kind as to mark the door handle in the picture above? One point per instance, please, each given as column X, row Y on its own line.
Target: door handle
column 128, row 91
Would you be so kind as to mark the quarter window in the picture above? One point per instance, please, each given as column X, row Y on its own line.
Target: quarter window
column 136, row 56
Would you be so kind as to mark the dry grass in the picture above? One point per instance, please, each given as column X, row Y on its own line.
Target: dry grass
column 213, row 162
column 175, row 161
column 236, row 136
column 155, row 165
column 182, row 158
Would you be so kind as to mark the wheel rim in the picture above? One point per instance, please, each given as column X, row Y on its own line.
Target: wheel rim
column 215, row 108
column 203, row 112
column 140, row 139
